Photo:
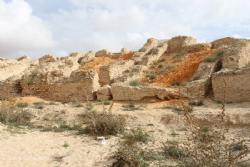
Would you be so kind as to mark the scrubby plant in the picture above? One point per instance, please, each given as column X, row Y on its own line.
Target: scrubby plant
column 136, row 135
column 173, row 151
column 151, row 75
column 76, row 104
column 208, row 146
column 32, row 77
column 22, row 105
column 134, row 83
column 102, row 123
column 131, row 107
column 214, row 57
column 130, row 156
column 106, row 102
column 39, row 105
column 15, row 116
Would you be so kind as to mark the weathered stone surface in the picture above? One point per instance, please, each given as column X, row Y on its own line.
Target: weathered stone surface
column 224, row 42
column 80, row 86
column 125, row 51
column 231, row 86
column 197, row 89
column 10, row 89
column 151, row 43
column 154, row 54
column 86, row 57
column 123, row 92
column 104, row 93
column 177, row 43
column 11, row 68
column 108, row 73
column 47, row 59
column 197, row 47
column 236, row 55
column 102, row 52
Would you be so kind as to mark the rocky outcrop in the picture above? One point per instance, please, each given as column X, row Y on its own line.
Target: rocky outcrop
column 123, row 92
column 80, row 86
column 104, row 93
column 232, row 85
column 154, row 54
column 108, row 73
column 12, row 68
column 104, row 75
column 176, row 44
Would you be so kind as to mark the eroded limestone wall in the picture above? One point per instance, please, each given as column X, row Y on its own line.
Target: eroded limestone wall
column 232, row 86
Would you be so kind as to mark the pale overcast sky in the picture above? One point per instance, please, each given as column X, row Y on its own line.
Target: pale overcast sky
column 37, row 27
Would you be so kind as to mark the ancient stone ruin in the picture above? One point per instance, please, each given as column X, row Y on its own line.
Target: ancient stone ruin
column 162, row 69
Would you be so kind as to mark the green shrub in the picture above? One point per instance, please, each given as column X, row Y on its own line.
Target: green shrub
column 131, row 107
column 102, row 123
column 136, row 135
column 216, row 56
column 134, row 83
column 14, row 116
column 39, row 105
column 131, row 156
column 172, row 150
column 22, row 105
column 151, row 76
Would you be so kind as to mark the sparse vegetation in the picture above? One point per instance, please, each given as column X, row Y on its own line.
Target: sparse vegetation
column 76, row 104
column 173, row 151
column 208, row 146
column 131, row 107
column 214, row 57
column 134, row 83
column 136, row 135
column 15, row 116
column 151, row 76
column 103, row 123
column 32, row 77
column 131, row 156
column 39, row 105
column 106, row 102
column 22, row 105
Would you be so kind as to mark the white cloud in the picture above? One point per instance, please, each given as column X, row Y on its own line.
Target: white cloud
column 113, row 24
column 20, row 31
column 81, row 25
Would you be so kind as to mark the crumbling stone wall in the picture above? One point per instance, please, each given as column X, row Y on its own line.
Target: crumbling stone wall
column 80, row 86
column 177, row 43
column 123, row 92
column 232, row 86
column 109, row 72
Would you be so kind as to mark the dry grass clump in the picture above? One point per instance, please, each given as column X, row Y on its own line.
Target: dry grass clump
column 136, row 135
column 131, row 152
column 208, row 146
column 39, row 105
column 131, row 107
column 130, row 156
column 22, row 105
column 102, row 123
column 15, row 116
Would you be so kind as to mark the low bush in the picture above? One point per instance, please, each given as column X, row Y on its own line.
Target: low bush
column 134, row 83
column 102, row 123
column 136, row 135
column 15, row 116
column 216, row 56
column 130, row 156
column 22, row 105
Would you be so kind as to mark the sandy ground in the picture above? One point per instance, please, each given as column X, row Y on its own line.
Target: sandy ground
column 31, row 147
